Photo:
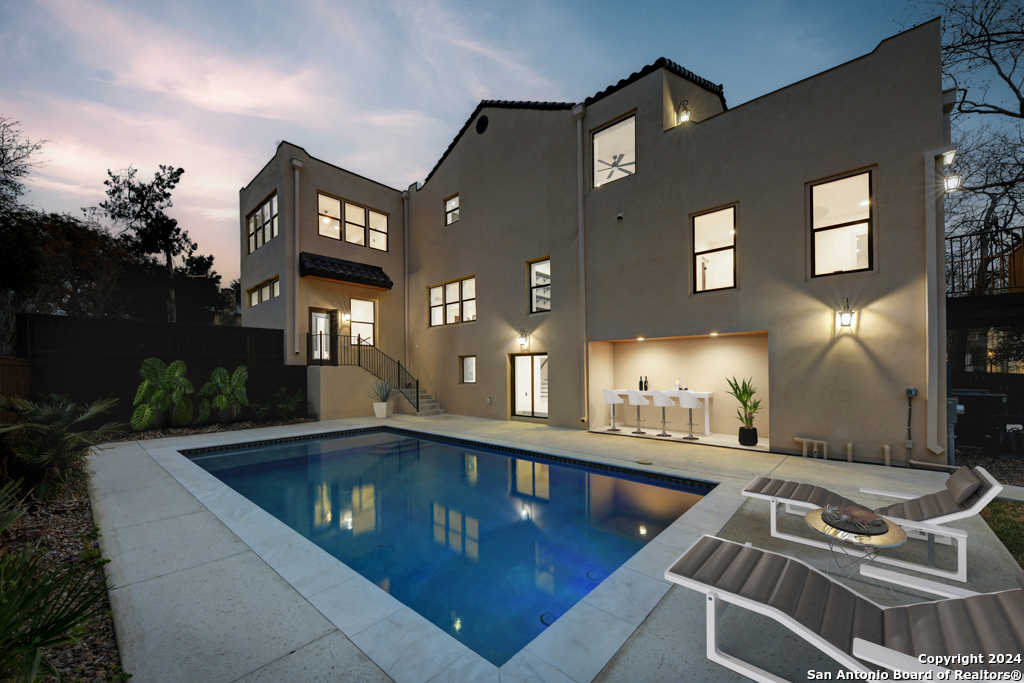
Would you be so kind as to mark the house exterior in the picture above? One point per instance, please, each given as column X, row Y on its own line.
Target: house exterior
column 558, row 249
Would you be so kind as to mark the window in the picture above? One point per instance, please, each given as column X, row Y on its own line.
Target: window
column 361, row 327
column 540, row 286
column 841, row 226
column 264, row 292
column 615, row 152
column 321, row 334
column 358, row 221
column 468, row 369
column 453, row 302
column 261, row 224
column 451, row 210
column 714, row 250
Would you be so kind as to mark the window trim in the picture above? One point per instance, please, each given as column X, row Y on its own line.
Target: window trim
column 275, row 229
column 276, row 279
column 444, row 206
column 343, row 222
column 462, row 369
column 870, row 220
column 632, row 113
column 693, row 249
column 530, row 286
column 445, row 303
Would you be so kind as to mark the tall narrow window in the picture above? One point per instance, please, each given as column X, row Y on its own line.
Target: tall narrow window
column 361, row 328
column 355, row 224
column 451, row 210
column 841, row 226
column 469, row 369
column 615, row 152
column 540, row 286
column 714, row 250
column 320, row 335
column 378, row 231
column 261, row 224
column 330, row 216
column 452, row 303
column 530, row 384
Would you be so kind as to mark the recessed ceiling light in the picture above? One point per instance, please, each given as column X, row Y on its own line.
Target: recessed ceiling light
column 714, row 334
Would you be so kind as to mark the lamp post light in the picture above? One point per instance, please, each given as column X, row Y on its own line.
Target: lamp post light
column 952, row 182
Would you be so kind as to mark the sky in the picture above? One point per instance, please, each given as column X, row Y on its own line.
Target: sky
column 379, row 88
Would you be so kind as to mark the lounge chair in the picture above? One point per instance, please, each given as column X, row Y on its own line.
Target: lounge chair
column 967, row 492
column 858, row 633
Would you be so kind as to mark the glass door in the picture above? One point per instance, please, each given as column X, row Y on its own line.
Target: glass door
column 321, row 330
column 530, row 385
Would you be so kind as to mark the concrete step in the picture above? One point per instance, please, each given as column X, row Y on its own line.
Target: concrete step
column 436, row 411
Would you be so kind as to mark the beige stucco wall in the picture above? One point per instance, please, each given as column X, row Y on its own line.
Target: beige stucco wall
column 337, row 392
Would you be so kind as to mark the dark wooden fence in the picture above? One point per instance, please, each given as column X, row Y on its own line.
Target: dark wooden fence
column 15, row 380
column 93, row 358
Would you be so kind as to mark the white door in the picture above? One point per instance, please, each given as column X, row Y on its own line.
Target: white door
column 530, row 385
column 321, row 336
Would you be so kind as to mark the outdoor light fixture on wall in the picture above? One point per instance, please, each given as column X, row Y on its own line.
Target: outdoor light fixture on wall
column 951, row 183
column 947, row 157
column 522, row 336
column 682, row 113
column 346, row 317
column 846, row 315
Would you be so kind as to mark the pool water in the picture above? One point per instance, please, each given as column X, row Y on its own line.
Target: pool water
column 489, row 547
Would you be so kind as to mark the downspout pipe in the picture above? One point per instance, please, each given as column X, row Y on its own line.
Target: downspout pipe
column 405, row 257
column 933, row 186
column 578, row 113
column 296, row 165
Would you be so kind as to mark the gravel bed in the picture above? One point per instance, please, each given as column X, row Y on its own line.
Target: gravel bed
column 67, row 535
column 203, row 429
column 1005, row 470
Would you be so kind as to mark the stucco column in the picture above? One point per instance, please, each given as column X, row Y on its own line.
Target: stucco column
column 296, row 165
column 578, row 113
column 405, row 257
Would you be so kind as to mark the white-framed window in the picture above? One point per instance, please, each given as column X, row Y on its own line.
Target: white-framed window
column 452, row 302
column 842, row 232
column 362, row 325
column 263, row 292
column 714, row 250
column 261, row 224
column 615, row 152
column 451, row 210
column 468, row 369
column 359, row 222
column 540, row 286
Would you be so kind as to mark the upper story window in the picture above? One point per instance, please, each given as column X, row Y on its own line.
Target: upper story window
column 453, row 302
column 714, row 250
column 451, row 210
column 615, row 152
column 261, row 224
column 264, row 291
column 358, row 221
column 540, row 286
column 841, row 225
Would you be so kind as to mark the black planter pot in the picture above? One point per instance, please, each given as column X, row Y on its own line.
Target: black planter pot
column 228, row 415
column 748, row 436
column 162, row 420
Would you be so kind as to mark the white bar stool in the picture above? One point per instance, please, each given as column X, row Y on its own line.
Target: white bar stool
column 611, row 398
column 637, row 399
column 688, row 400
column 663, row 400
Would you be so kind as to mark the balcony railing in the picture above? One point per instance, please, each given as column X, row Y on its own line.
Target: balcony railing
column 985, row 263
column 341, row 349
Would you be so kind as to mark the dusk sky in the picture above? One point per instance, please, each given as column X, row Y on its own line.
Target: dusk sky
column 375, row 87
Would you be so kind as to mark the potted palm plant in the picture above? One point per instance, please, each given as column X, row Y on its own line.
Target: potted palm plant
column 163, row 392
column 382, row 392
column 228, row 393
column 744, row 393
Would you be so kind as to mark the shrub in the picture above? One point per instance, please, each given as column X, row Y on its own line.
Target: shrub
column 226, row 391
column 163, row 387
column 42, row 445
column 281, row 405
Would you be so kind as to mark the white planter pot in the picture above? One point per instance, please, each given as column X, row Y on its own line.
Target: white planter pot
column 380, row 410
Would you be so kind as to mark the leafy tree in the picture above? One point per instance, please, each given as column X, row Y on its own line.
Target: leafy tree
column 16, row 152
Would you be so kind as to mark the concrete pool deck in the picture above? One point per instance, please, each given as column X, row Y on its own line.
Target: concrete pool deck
column 210, row 587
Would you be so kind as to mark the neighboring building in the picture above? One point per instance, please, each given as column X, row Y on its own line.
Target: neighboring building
column 728, row 242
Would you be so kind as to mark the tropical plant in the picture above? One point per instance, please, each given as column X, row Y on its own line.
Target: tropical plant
column 163, row 388
column 382, row 391
column 40, row 608
column 43, row 445
column 744, row 393
column 281, row 404
column 226, row 391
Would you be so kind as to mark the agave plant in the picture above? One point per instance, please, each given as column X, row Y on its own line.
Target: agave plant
column 744, row 393
column 226, row 391
column 40, row 608
column 382, row 391
column 164, row 387
column 44, row 444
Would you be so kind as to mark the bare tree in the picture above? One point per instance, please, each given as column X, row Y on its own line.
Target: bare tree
column 16, row 152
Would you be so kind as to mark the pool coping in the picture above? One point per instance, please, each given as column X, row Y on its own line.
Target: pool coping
column 406, row 646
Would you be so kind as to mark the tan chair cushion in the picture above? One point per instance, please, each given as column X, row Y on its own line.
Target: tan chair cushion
column 794, row 490
column 962, row 484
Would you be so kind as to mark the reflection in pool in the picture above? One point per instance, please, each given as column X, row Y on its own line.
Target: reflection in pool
column 482, row 544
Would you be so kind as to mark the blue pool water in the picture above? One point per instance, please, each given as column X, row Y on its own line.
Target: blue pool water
column 489, row 547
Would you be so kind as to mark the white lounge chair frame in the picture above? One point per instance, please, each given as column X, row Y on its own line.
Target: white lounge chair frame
column 930, row 530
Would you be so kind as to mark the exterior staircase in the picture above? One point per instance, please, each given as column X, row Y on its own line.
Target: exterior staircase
column 428, row 404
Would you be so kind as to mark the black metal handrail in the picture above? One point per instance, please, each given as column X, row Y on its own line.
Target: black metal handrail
column 985, row 263
column 338, row 349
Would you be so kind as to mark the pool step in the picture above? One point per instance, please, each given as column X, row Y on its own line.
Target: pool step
column 428, row 405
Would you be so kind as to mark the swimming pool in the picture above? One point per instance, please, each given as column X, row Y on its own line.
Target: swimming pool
column 490, row 545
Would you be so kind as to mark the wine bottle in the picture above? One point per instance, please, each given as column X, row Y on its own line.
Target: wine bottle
column 641, row 382
column 645, row 382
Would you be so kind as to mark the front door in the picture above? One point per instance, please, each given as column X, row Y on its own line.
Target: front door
column 530, row 385
column 321, row 331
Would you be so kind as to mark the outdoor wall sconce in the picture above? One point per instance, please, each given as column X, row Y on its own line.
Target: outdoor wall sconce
column 345, row 317
column 682, row 113
column 522, row 336
column 947, row 157
column 846, row 315
column 952, row 182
